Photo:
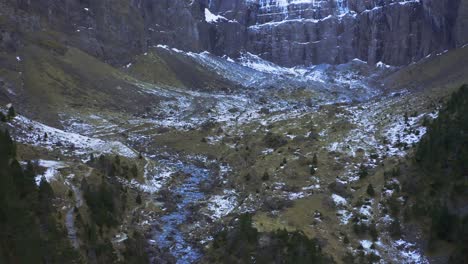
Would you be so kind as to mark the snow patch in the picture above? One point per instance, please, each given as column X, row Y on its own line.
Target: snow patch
column 212, row 18
column 409, row 253
column 222, row 205
column 52, row 170
column 38, row 134
column 339, row 200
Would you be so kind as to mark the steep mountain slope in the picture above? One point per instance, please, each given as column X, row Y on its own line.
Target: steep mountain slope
column 446, row 69
column 438, row 183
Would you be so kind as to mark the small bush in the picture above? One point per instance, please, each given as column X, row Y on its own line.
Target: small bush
column 265, row 176
column 363, row 171
column 274, row 141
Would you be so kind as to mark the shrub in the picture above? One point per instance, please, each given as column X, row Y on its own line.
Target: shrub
column 395, row 229
column 138, row 199
column 274, row 141
column 265, row 176
column 315, row 161
column 363, row 172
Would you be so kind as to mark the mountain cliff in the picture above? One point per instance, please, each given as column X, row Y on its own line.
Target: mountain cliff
column 312, row 32
column 287, row 32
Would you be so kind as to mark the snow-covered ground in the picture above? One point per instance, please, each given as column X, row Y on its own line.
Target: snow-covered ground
column 271, row 93
column 52, row 168
column 222, row 205
column 155, row 178
column 68, row 143
column 378, row 131
column 380, row 128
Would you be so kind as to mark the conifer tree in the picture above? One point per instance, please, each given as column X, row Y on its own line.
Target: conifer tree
column 315, row 161
column 312, row 171
column 370, row 190
column 134, row 171
column 265, row 176
column 363, row 172
column 11, row 113
column 138, row 199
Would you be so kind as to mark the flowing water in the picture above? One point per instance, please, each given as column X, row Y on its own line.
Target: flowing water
column 70, row 218
column 189, row 193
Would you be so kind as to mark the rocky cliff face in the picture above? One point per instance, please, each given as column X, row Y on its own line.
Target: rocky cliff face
column 113, row 30
column 287, row 32
column 291, row 32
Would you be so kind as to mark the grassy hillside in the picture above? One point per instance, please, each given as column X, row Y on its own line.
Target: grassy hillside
column 167, row 68
column 439, row 71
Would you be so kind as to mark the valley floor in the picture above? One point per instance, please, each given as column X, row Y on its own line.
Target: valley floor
column 322, row 160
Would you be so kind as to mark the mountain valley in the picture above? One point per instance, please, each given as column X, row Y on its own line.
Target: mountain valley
column 220, row 132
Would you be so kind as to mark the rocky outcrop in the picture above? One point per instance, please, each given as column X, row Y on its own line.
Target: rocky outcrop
column 287, row 32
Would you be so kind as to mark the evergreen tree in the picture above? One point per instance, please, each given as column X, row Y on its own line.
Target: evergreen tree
column 28, row 229
column 242, row 244
column 265, row 176
column 102, row 205
column 11, row 113
column 363, row 172
column 312, row 171
column 373, row 232
column 395, row 229
column 315, row 161
column 8, row 147
column 138, row 199
column 443, row 223
column 134, row 171
column 370, row 190
column 135, row 249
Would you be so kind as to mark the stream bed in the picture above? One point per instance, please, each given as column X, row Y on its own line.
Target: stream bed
column 169, row 237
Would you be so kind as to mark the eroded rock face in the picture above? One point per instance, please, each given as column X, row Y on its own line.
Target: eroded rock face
column 287, row 32
column 397, row 32
column 114, row 30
